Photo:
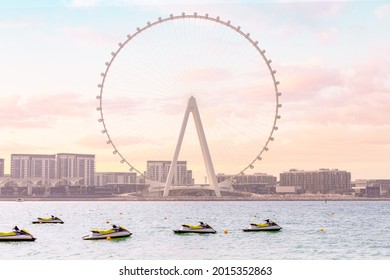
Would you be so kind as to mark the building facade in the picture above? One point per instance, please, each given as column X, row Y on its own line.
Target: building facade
column 106, row 178
column 256, row 178
column 1, row 167
column 157, row 170
column 325, row 181
column 33, row 166
column 76, row 169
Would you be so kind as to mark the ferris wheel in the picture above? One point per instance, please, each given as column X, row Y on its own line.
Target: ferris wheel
column 153, row 72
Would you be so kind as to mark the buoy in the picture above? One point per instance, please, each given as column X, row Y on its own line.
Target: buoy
column 108, row 238
column 225, row 231
column 322, row 230
column 120, row 213
column 107, row 222
column 254, row 215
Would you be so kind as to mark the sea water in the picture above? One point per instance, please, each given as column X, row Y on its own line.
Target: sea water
column 312, row 230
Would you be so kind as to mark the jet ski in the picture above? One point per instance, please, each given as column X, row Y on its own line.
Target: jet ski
column 114, row 232
column 16, row 235
column 201, row 228
column 51, row 220
column 267, row 226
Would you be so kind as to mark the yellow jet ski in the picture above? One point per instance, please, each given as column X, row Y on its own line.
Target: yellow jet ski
column 114, row 232
column 267, row 226
column 51, row 220
column 201, row 228
column 16, row 235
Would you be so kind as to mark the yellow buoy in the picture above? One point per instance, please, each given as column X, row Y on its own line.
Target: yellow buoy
column 322, row 230
column 108, row 238
column 107, row 222
column 225, row 231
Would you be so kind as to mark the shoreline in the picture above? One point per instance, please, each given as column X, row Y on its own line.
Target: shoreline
column 324, row 198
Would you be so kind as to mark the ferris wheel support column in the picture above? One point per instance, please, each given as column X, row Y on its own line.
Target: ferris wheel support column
column 193, row 108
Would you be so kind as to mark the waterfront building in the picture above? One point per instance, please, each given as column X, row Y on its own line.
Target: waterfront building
column 105, row 178
column 33, row 166
column 325, row 181
column 255, row 178
column 157, row 170
column 76, row 169
column 1, row 167
column 259, row 183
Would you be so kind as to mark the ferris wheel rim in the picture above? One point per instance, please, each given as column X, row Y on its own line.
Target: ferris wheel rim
column 183, row 15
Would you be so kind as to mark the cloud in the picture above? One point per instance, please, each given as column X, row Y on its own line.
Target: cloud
column 383, row 12
column 42, row 110
column 326, row 36
column 86, row 36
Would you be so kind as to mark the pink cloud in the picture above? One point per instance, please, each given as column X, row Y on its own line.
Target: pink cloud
column 87, row 36
column 326, row 36
column 42, row 110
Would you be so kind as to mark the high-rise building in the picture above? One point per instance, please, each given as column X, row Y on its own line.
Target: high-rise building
column 76, row 169
column 324, row 181
column 1, row 167
column 37, row 166
column 157, row 170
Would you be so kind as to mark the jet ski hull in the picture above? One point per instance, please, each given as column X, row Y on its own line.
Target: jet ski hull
column 263, row 228
column 56, row 221
column 17, row 238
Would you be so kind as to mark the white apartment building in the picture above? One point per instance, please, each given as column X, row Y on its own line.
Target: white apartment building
column 76, row 169
column 28, row 166
column 157, row 170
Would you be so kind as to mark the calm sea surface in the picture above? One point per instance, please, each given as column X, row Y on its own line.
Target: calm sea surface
column 352, row 230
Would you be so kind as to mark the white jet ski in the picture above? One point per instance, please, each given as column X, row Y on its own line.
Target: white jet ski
column 16, row 235
column 114, row 232
column 267, row 226
column 201, row 228
column 51, row 220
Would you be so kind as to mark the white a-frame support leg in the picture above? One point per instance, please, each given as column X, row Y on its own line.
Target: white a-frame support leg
column 193, row 108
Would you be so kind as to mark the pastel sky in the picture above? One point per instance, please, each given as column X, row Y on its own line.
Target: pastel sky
column 332, row 60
